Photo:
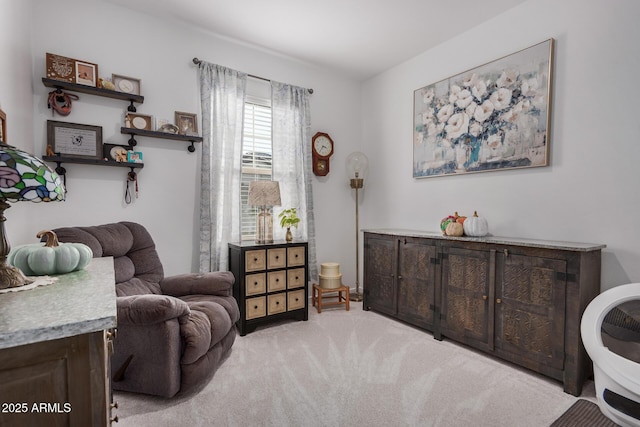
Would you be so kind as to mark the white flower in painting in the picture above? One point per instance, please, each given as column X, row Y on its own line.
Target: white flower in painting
column 507, row 78
column 501, row 98
column 432, row 129
column 479, row 89
column 464, row 99
column 445, row 112
column 510, row 116
column 530, row 87
column 454, row 92
column 427, row 97
column 457, row 125
column 471, row 108
column 440, row 127
column 483, row 111
column 428, row 115
column 470, row 80
column 475, row 128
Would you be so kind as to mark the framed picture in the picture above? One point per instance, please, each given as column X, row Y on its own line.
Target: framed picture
column 115, row 152
column 492, row 117
column 138, row 121
column 86, row 73
column 187, row 123
column 126, row 84
column 74, row 140
column 134, row 156
column 3, row 127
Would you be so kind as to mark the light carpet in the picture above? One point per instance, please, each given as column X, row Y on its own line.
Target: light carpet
column 355, row 368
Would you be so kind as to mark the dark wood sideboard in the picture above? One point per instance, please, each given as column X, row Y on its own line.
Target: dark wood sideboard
column 520, row 300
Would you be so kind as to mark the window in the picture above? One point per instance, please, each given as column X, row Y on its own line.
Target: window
column 256, row 158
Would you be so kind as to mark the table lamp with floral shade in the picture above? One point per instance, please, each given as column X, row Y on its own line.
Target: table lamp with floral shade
column 23, row 177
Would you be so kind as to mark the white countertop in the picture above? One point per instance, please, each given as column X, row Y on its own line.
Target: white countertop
column 77, row 303
column 548, row 244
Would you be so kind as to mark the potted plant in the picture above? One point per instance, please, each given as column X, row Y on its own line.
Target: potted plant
column 289, row 218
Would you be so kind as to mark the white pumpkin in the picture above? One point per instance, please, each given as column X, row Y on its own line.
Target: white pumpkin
column 476, row 226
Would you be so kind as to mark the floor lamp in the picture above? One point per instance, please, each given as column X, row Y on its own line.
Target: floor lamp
column 357, row 167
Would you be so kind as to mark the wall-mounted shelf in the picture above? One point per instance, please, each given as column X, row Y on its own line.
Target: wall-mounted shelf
column 58, row 160
column 164, row 135
column 90, row 90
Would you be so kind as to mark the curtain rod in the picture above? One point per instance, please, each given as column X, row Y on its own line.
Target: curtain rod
column 198, row 61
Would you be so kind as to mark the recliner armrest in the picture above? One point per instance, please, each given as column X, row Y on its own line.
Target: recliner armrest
column 149, row 309
column 214, row 283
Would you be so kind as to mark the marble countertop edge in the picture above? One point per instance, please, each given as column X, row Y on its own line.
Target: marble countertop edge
column 539, row 243
column 31, row 336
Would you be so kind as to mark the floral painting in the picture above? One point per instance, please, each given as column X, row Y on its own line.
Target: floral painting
column 492, row 117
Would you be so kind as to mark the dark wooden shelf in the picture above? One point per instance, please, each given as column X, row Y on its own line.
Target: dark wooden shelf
column 163, row 135
column 90, row 90
column 98, row 162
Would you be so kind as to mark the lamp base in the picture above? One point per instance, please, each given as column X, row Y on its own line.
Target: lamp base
column 355, row 296
column 12, row 277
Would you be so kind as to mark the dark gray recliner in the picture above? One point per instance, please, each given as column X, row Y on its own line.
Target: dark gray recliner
column 173, row 332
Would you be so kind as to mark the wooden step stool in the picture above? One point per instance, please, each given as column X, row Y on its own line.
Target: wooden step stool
column 318, row 296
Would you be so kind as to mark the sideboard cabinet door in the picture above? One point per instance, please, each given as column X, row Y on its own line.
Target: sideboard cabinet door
column 466, row 285
column 416, row 282
column 380, row 265
column 530, row 315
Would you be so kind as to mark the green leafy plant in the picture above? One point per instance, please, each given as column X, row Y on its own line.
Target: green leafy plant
column 289, row 218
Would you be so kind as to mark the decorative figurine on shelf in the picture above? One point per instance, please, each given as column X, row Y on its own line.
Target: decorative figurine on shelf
column 50, row 151
column 289, row 218
column 106, row 84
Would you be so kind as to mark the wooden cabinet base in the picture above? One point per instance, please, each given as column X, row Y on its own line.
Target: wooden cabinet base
column 55, row 383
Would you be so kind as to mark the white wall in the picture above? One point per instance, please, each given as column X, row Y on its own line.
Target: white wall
column 587, row 193
column 158, row 52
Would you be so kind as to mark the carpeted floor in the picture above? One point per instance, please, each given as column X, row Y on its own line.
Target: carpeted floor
column 355, row 368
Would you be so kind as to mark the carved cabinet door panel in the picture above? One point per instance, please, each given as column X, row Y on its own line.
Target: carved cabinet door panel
column 530, row 314
column 416, row 281
column 380, row 265
column 466, row 283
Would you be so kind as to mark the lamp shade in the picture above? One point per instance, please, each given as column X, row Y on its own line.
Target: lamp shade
column 264, row 193
column 24, row 177
column 357, row 165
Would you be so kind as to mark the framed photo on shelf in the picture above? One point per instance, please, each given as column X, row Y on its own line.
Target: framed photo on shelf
column 138, row 121
column 187, row 123
column 134, row 156
column 3, row 127
column 74, row 140
column 126, row 84
column 115, row 152
column 86, row 73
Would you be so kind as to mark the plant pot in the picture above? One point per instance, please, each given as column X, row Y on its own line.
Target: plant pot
column 288, row 236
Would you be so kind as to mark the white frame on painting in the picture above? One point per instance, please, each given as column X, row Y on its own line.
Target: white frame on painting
column 492, row 117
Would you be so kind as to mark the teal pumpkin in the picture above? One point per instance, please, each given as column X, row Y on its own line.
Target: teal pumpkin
column 51, row 258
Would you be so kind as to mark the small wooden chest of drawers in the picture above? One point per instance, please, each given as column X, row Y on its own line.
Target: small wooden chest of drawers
column 271, row 282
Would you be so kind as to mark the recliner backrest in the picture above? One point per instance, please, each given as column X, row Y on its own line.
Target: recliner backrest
column 138, row 268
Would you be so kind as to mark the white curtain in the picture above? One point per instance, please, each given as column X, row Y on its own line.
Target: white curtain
column 222, row 94
column 291, row 122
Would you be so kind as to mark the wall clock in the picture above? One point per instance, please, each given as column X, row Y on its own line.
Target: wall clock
column 321, row 151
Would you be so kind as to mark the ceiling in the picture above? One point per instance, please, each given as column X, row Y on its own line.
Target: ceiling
column 359, row 37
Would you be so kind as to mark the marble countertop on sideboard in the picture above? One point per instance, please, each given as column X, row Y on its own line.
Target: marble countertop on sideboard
column 516, row 241
column 77, row 303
